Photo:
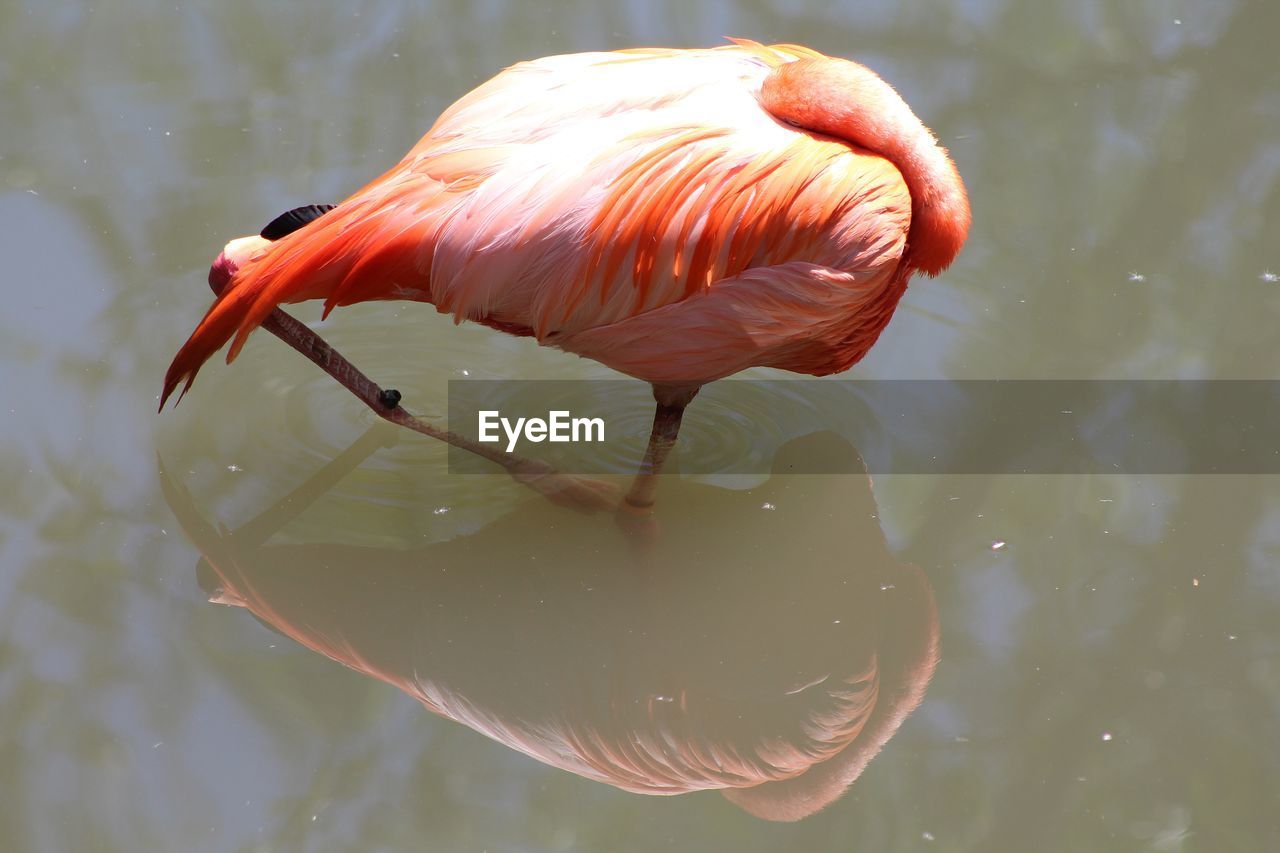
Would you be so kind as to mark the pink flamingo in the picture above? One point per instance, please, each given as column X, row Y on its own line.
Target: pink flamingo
column 677, row 215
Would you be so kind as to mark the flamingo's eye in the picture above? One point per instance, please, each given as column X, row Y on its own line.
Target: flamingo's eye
column 292, row 220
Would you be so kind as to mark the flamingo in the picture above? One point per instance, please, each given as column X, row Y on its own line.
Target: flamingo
column 678, row 215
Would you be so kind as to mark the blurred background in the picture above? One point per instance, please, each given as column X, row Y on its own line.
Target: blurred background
column 1110, row 671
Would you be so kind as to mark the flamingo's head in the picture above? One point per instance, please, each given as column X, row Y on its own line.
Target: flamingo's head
column 233, row 256
column 244, row 249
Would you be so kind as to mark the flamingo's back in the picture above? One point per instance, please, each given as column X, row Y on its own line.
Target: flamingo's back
column 578, row 192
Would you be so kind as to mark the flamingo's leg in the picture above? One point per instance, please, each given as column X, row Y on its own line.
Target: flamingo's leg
column 671, row 400
column 576, row 492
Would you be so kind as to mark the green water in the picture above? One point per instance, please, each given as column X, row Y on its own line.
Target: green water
column 1109, row 671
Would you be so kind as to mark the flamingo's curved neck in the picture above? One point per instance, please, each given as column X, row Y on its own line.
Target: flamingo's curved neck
column 845, row 100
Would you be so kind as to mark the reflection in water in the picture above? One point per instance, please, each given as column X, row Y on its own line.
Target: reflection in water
column 659, row 669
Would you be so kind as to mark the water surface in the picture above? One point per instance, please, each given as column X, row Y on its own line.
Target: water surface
column 1108, row 676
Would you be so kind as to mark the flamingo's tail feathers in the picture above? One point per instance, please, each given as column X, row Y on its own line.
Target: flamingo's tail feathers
column 364, row 249
column 227, row 315
column 252, row 276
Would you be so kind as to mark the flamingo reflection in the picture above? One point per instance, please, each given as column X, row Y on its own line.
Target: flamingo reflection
column 767, row 644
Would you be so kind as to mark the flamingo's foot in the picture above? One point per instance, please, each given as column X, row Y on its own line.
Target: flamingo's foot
column 638, row 523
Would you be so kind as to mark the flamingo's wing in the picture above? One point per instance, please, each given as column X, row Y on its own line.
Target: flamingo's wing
column 797, row 316
column 644, row 180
